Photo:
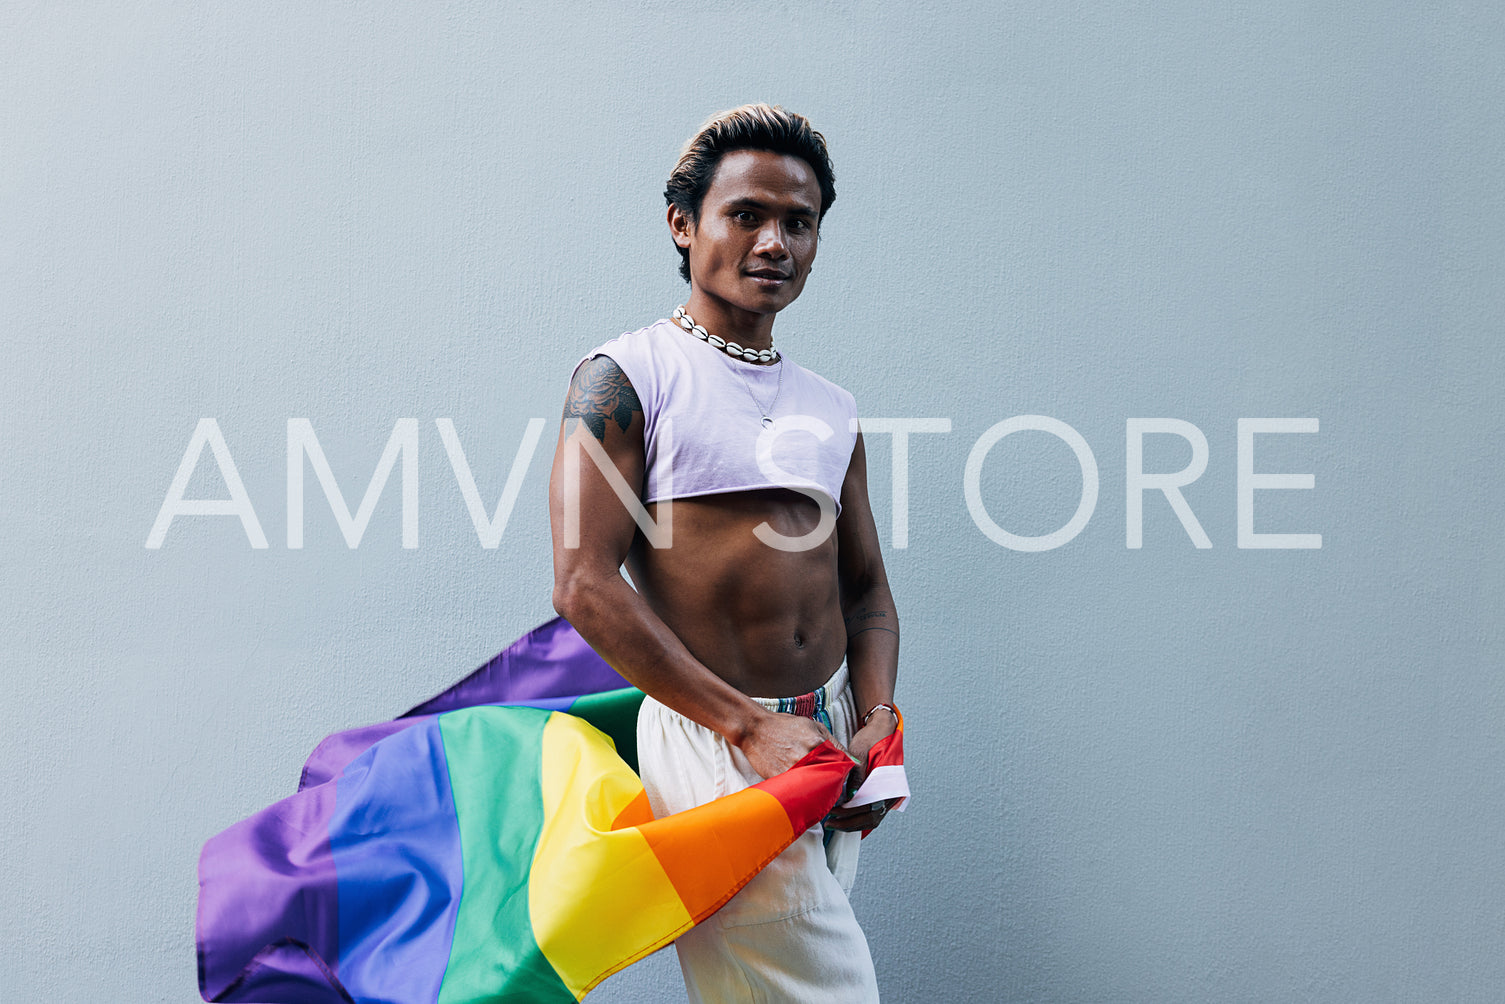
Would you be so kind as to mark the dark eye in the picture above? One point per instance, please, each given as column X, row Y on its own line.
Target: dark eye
column 799, row 224
column 744, row 216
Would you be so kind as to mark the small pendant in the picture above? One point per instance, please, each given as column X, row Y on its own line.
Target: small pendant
column 767, row 422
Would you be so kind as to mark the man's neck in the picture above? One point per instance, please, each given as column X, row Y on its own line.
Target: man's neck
column 747, row 328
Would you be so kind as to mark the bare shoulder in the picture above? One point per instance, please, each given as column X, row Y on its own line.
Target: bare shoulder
column 600, row 393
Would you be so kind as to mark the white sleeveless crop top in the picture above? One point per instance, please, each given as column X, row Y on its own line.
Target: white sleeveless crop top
column 703, row 418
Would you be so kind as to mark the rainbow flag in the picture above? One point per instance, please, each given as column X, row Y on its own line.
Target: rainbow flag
column 493, row 844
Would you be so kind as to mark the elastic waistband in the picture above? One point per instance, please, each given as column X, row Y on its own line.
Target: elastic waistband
column 813, row 704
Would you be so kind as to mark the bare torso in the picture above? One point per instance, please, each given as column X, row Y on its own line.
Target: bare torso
column 767, row 621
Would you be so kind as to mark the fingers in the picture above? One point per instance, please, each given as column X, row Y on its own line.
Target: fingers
column 867, row 819
column 860, row 817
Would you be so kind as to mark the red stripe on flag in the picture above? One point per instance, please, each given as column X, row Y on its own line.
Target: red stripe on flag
column 810, row 788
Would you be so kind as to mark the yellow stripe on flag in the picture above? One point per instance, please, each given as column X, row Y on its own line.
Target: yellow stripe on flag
column 598, row 898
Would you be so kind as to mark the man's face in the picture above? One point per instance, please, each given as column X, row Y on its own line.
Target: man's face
column 755, row 239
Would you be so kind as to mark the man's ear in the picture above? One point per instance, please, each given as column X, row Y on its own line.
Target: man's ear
column 680, row 226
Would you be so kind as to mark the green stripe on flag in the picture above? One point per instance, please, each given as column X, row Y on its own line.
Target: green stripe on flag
column 493, row 756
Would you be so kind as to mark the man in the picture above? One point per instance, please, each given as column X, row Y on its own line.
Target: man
column 733, row 485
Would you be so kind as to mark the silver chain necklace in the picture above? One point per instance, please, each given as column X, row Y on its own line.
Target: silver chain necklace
column 736, row 351
column 767, row 418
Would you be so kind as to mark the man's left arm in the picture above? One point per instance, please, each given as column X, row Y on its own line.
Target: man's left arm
column 872, row 625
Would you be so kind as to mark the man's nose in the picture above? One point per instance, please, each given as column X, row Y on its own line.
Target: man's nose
column 771, row 242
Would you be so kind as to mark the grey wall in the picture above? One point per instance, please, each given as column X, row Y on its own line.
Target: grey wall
column 1163, row 774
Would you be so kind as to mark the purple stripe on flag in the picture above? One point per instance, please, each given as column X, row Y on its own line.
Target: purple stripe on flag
column 268, row 902
column 288, row 973
column 552, row 660
column 546, row 668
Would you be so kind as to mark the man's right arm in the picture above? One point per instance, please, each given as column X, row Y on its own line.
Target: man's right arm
column 591, row 594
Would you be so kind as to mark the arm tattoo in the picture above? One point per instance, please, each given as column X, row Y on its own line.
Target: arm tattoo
column 600, row 391
column 860, row 621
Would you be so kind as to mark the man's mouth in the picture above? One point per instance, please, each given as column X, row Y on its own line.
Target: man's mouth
column 772, row 274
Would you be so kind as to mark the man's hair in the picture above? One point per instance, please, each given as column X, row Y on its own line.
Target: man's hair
column 751, row 127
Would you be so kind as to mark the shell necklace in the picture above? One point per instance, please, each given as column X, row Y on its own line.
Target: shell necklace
column 732, row 349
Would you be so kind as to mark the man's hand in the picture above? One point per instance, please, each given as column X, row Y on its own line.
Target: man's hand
column 776, row 742
column 860, row 817
column 864, row 817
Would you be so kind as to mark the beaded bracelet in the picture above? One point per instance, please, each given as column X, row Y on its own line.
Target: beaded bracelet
column 881, row 707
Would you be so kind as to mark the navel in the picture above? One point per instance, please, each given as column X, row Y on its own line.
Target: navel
column 799, row 640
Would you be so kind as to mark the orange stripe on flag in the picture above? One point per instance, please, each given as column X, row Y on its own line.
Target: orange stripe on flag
column 719, row 845
column 724, row 843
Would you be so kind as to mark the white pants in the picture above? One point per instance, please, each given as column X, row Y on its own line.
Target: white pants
column 789, row 937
